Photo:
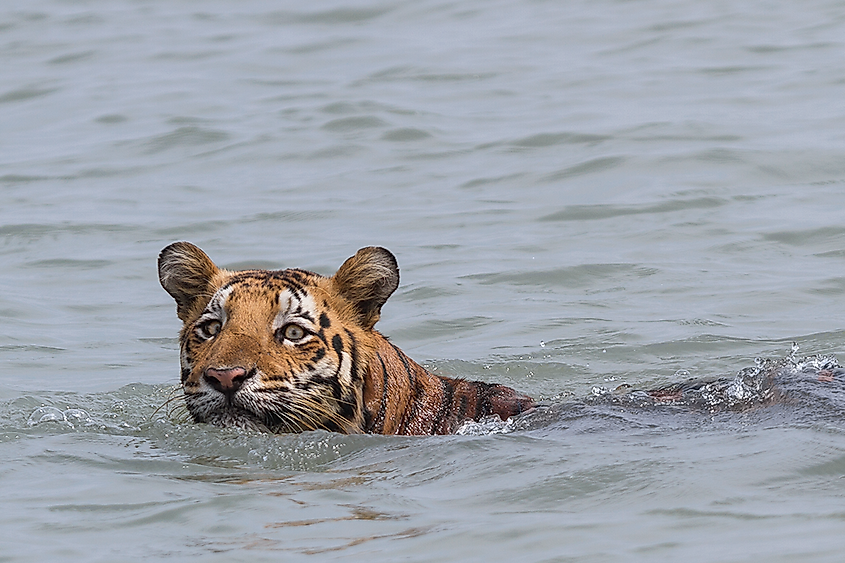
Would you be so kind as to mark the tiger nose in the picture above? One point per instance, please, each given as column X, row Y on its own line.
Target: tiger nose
column 226, row 380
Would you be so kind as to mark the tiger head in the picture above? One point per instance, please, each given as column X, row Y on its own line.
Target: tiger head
column 280, row 351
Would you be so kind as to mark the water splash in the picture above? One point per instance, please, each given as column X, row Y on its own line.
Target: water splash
column 487, row 425
column 46, row 414
column 815, row 383
column 766, row 382
column 72, row 419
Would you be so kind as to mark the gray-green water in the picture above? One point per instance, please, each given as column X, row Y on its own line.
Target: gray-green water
column 579, row 194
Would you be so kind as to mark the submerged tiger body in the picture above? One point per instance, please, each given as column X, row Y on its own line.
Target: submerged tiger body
column 290, row 351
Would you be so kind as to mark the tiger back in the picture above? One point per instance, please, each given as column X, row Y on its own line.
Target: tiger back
column 290, row 351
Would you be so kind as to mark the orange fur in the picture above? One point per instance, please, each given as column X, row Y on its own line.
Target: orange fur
column 290, row 351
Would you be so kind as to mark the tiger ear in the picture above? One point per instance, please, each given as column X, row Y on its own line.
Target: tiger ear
column 366, row 280
column 187, row 274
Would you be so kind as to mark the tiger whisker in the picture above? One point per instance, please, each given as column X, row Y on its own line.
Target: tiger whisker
column 168, row 402
column 320, row 408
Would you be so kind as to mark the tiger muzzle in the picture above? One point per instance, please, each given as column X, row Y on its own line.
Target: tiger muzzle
column 227, row 380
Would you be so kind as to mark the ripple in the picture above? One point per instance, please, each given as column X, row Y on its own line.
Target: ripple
column 185, row 137
column 807, row 236
column 433, row 328
column 36, row 231
column 570, row 276
column 71, row 58
column 69, row 263
column 23, row 94
column 22, row 179
column 405, row 134
column 601, row 211
column 337, row 16
column 349, row 124
column 589, row 167
column 552, row 139
column 111, row 118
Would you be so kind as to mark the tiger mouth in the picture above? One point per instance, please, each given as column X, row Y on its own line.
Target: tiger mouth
column 232, row 414
column 235, row 417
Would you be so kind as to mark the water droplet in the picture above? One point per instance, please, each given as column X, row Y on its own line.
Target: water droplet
column 487, row 425
column 76, row 415
column 46, row 414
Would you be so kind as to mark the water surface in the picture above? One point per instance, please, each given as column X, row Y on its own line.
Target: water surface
column 580, row 196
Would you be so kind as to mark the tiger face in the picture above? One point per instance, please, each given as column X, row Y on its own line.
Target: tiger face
column 280, row 351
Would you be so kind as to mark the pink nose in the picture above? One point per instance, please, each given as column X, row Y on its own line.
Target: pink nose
column 226, row 380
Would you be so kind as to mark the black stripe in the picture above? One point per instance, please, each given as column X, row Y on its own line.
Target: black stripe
column 353, row 406
column 482, row 400
column 417, row 394
column 332, row 381
column 337, row 344
column 322, row 336
column 335, row 381
column 296, row 280
column 402, row 357
column 382, row 409
column 296, row 290
column 324, row 321
column 448, row 396
column 237, row 278
column 185, row 374
column 248, row 276
column 347, row 408
column 353, row 350
column 299, row 274
column 368, row 421
column 332, row 426
column 462, row 409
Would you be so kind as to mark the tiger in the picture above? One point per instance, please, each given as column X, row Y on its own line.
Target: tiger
column 289, row 351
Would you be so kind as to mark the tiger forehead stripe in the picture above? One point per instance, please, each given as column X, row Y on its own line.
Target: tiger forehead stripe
column 216, row 306
column 294, row 279
column 293, row 303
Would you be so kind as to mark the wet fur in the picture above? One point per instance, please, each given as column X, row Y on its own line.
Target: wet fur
column 342, row 375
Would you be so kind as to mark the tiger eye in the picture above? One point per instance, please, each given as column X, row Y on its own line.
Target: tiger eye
column 211, row 328
column 294, row 332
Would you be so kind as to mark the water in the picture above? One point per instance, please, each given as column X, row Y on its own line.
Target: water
column 580, row 195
